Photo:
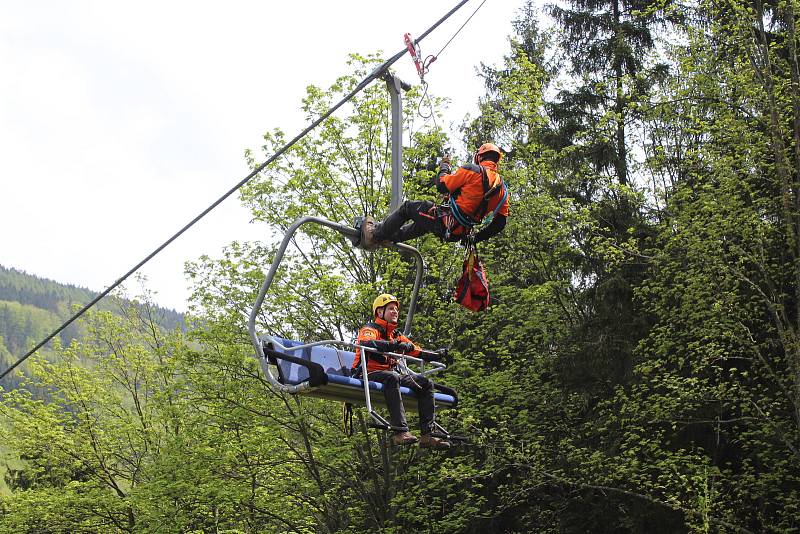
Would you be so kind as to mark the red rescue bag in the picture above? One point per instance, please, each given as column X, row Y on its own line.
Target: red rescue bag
column 472, row 289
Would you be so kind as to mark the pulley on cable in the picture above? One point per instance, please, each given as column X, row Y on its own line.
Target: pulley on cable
column 422, row 66
column 416, row 54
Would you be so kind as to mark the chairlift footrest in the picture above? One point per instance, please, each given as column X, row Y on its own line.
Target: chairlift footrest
column 449, row 437
column 380, row 426
column 386, row 427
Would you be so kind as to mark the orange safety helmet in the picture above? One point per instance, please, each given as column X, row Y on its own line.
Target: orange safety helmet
column 382, row 301
column 488, row 147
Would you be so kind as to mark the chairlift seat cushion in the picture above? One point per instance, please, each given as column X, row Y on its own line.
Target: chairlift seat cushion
column 337, row 363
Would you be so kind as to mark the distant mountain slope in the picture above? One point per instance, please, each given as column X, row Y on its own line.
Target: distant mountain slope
column 18, row 286
column 32, row 307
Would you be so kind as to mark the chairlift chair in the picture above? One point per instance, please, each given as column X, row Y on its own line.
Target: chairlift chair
column 322, row 368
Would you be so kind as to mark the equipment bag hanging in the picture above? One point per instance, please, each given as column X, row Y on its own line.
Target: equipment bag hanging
column 472, row 289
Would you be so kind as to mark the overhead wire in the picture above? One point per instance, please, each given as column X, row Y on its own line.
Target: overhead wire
column 377, row 73
column 426, row 63
column 454, row 35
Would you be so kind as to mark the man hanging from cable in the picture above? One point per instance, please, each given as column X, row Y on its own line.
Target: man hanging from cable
column 473, row 193
column 381, row 334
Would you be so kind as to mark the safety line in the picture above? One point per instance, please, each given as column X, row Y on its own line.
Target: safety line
column 379, row 71
column 461, row 28
column 433, row 58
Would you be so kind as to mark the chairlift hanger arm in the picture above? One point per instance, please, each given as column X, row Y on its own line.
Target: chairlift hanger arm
column 395, row 81
column 352, row 234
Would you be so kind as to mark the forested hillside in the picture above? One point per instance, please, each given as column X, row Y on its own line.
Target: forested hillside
column 638, row 370
column 32, row 307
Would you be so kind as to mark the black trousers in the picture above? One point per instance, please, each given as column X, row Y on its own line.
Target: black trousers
column 423, row 220
column 421, row 385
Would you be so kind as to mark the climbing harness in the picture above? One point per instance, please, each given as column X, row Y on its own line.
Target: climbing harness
column 449, row 221
column 470, row 221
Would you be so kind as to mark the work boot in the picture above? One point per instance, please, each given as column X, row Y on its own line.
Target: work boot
column 404, row 438
column 368, row 234
column 429, row 442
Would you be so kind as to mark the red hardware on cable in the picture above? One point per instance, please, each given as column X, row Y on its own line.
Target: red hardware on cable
column 413, row 49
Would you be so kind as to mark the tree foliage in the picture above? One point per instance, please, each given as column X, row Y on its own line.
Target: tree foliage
column 637, row 371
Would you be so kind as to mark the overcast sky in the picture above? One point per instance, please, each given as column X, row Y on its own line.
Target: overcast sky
column 121, row 121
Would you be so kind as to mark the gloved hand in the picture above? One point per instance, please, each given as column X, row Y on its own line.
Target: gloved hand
column 403, row 346
column 444, row 165
column 468, row 241
column 435, row 355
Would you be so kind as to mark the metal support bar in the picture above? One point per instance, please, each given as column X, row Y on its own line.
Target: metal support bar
column 380, row 422
column 395, row 84
column 365, row 380
column 438, row 366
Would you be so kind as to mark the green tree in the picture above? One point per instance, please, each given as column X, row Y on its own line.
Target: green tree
column 141, row 433
column 718, row 372
column 567, row 455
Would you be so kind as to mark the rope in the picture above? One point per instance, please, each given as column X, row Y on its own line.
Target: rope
column 347, row 419
column 427, row 97
column 426, row 63
column 366, row 81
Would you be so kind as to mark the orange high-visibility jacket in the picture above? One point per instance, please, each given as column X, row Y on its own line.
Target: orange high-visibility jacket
column 380, row 334
column 467, row 184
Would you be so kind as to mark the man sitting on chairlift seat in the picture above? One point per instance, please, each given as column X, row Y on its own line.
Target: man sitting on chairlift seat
column 381, row 334
column 473, row 191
